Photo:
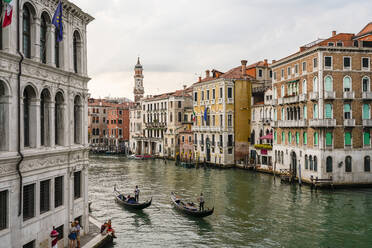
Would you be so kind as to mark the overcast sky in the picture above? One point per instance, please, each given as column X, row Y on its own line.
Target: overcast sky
column 178, row 40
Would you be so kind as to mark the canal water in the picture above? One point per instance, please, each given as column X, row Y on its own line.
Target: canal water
column 251, row 209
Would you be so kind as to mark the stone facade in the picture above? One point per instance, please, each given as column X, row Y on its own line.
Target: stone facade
column 52, row 136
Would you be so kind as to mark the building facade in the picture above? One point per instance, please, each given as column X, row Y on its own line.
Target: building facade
column 43, row 124
column 322, row 118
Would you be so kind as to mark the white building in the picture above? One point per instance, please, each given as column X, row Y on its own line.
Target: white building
column 43, row 124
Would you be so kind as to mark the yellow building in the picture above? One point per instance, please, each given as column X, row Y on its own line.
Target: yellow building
column 222, row 109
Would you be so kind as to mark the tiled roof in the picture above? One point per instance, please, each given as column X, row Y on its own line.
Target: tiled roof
column 235, row 73
column 367, row 29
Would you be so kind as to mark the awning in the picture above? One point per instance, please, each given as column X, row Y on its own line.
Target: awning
column 269, row 137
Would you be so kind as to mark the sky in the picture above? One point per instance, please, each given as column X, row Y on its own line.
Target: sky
column 177, row 40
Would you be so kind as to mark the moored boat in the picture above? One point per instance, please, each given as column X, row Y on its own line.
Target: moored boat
column 129, row 203
column 189, row 208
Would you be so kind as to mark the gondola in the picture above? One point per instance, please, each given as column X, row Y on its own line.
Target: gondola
column 189, row 208
column 121, row 199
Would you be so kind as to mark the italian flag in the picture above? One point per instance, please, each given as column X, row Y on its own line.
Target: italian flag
column 8, row 13
column 193, row 116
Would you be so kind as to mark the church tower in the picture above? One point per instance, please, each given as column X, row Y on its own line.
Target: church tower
column 138, row 82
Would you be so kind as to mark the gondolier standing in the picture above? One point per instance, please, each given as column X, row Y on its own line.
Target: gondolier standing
column 201, row 202
column 136, row 193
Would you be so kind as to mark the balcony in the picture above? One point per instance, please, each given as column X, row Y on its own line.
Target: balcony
column 349, row 95
column 314, row 96
column 302, row 97
column 206, row 102
column 281, row 101
column 274, row 102
column 367, row 123
column 367, row 95
column 329, row 95
column 349, row 123
column 274, row 124
column 230, row 101
column 292, row 123
column 220, row 100
column 266, row 120
column 291, row 99
column 322, row 123
column 201, row 103
column 213, row 101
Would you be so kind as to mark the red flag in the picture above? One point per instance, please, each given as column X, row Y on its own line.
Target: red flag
column 8, row 13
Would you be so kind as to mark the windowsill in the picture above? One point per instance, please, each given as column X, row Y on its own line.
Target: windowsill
column 29, row 221
column 5, row 232
column 328, row 68
column 46, row 214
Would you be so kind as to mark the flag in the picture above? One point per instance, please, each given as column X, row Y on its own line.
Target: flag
column 57, row 21
column 193, row 116
column 8, row 13
column 205, row 114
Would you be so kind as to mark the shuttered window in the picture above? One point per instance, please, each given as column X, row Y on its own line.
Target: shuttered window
column 306, row 162
column 289, row 138
column 347, row 111
column 347, row 84
column 328, row 139
column 316, row 139
column 305, row 138
column 315, row 112
column 58, row 191
column 283, row 137
column 367, row 163
column 275, row 136
column 347, row 139
column 328, row 85
column 328, row 111
column 77, row 184
column 28, row 201
column 366, row 139
column 366, row 110
column 329, row 166
column 297, row 138
column 3, row 210
column 305, row 112
column 44, row 196
column 315, row 163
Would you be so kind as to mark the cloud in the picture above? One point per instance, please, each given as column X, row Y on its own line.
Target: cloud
column 178, row 40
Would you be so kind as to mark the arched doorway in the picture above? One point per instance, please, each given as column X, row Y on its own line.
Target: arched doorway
column 208, row 150
column 293, row 166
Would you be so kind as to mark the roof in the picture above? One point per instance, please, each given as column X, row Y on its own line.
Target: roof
column 367, row 29
column 235, row 73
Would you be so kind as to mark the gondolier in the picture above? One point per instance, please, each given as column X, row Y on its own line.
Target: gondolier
column 136, row 193
column 201, row 202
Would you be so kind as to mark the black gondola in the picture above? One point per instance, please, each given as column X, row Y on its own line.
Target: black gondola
column 120, row 198
column 189, row 208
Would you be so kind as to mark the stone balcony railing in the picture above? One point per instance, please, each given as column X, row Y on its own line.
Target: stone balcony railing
column 274, row 102
column 302, row 97
column 220, row 100
column 230, row 101
column 292, row 123
column 367, row 123
column 274, row 123
column 291, row 99
column 329, row 94
column 349, row 123
column 322, row 122
column 281, row 101
column 349, row 95
column 314, row 96
column 367, row 95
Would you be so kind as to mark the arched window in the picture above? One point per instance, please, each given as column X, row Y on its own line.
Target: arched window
column 304, row 87
column 328, row 84
column 366, row 111
column 328, row 111
column 253, row 137
column 26, row 31
column 311, row 162
column 43, row 38
column 315, row 111
column 305, row 112
column 261, row 134
column 59, row 111
column 44, row 118
column 283, row 138
column 282, row 114
column 29, row 117
column 329, row 166
column 282, row 93
column 305, row 138
column 347, row 111
column 77, row 52
column 299, row 113
column 347, row 84
column 348, row 164
column 78, row 120
column 315, row 84
column 282, row 157
column 315, row 163
column 4, row 117
column 306, row 163
column 365, row 84
column 367, row 163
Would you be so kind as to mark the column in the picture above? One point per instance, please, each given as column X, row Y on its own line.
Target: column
column 35, row 39
column 35, row 123
column 50, row 134
column 50, row 53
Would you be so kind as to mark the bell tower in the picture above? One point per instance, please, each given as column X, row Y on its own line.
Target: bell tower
column 138, row 81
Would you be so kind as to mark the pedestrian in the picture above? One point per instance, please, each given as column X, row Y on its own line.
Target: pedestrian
column 72, row 235
column 201, row 202
column 78, row 228
column 54, row 235
column 136, row 193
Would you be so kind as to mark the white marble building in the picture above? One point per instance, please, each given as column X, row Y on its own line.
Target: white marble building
column 43, row 124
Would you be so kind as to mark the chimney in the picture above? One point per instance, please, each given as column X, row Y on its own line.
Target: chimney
column 207, row 73
column 244, row 67
column 265, row 61
column 334, row 33
column 199, row 80
column 273, row 61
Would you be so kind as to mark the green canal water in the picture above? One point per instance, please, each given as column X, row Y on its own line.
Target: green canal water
column 251, row 209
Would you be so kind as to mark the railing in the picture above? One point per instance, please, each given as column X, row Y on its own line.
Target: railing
column 329, row 95
column 292, row 123
column 302, row 98
column 291, row 99
column 274, row 123
column 349, row 95
column 230, row 101
column 220, row 100
column 281, row 101
column 367, row 95
column 367, row 123
column 349, row 123
column 322, row 122
column 213, row 101
column 314, row 96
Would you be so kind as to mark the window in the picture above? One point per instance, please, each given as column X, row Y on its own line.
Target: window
column 213, row 93
column 316, row 139
column 339, row 44
column 202, row 95
column 348, row 164
column 44, row 196
column 26, row 32
column 315, row 111
column 28, row 202
column 366, row 138
column 328, row 139
column 77, row 184
column 304, row 66
column 329, row 166
column 315, row 62
column 3, row 210
column 366, row 111
column 297, row 138
column 306, row 163
column 347, row 84
column 328, row 84
column 282, row 117
column 356, row 43
column 365, row 84
column 30, row 244
column 195, row 96
column 328, row 62
column 229, row 120
column 331, row 44
column 328, row 111
column 305, row 112
column 296, row 68
column 229, row 93
column 275, row 136
column 289, row 138
column 230, row 140
column 288, row 71
column 283, row 138
column 221, row 121
column 282, row 90
column 207, row 94
column 43, row 38
column 304, row 87
column 179, row 117
column 367, row 164
column 77, row 120
column 180, row 103
column 58, row 191
column 44, row 117
column 347, row 138
column 311, row 163
column 76, row 52
column 315, row 163
column 347, row 63
column 315, row 84
column 282, row 73
column 259, row 73
column 365, row 63
column 28, row 95
column 221, row 92
column 305, row 138
column 274, row 75
column 347, row 111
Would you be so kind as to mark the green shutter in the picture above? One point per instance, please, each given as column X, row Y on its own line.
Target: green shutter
column 347, row 108
column 283, row 137
column 305, row 112
column 328, row 139
column 289, row 137
column 315, row 111
column 365, row 111
column 348, row 138
column 305, row 138
column 328, row 84
column 347, row 84
column 316, row 139
column 366, row 139
column 297, row 138
column 275, row 136
column 328, row 111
